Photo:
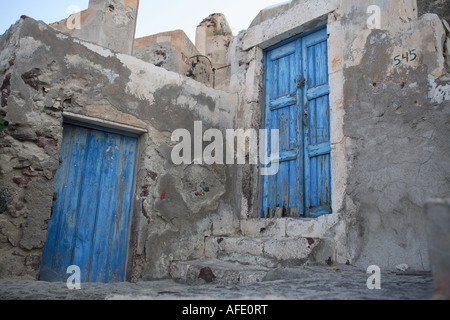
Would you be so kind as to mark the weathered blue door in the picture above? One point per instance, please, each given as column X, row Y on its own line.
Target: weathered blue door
column 93, row 190
column 297, row 103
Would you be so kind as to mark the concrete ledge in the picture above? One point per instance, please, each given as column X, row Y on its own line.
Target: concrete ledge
column 104, row 123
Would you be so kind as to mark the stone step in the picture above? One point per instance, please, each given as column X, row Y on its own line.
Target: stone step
column 217, row 272
column 265, row 252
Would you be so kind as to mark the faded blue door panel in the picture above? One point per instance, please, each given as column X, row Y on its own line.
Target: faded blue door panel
column 89, row 225
column 317, row 148
column 282, row 193
column 296, row 82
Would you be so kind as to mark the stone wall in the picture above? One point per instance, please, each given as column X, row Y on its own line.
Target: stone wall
column 389, row 125
column 206, row 61
column 396, row 130
column 47, row 76
column 389, row 138
column 213, row 38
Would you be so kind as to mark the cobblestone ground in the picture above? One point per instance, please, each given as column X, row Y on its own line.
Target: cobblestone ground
column 306, row 283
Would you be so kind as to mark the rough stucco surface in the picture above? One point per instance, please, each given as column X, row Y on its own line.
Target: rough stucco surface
column 440, row 7
column 175, row 52
column 390, row 131
column 45, row 73
column 394, row 128
column 397, row 143
column 438, row 216
column 110, row 23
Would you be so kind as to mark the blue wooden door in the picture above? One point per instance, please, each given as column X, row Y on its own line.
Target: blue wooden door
column 93, row 189
column 316, row 117
column 297, row 104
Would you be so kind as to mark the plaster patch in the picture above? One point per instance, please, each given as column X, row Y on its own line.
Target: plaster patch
column 356, row 51
column 187, row 101
column 109, row 113
column 146, row 78
column 97, row 49
column 62, row 36
column 78, row 62
column 438, row 93
column 28, row 47
column 123, row 11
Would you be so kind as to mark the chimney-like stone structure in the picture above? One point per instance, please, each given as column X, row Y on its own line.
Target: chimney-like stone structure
column 108, row 23
column 213, row 38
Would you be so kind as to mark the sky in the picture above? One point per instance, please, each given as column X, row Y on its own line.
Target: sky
column 154, row 16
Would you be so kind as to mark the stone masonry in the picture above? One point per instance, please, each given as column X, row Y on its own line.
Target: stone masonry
column 201, row 224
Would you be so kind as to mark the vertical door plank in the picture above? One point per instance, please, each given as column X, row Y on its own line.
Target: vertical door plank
column 89, row 201
column 69, row 214
column 118, row 249
column 317, row 138
column 106, row 210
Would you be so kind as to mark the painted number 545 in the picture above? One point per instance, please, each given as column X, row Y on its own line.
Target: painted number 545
column 407, row 56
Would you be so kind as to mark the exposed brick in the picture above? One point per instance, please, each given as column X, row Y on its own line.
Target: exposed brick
column 22, row 182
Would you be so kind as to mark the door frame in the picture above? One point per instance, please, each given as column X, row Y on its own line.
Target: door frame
column 124, row 130
column 294, row 38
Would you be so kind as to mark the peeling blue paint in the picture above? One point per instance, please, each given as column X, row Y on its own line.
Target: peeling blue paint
column 297, row 103
column 90, row 222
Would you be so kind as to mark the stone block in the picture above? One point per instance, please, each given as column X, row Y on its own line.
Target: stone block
column 225, row 224
column 217, row 246
column 266, row 252
column 310, row 228
column 289, row 249
column 7, row 195
column 272, row 228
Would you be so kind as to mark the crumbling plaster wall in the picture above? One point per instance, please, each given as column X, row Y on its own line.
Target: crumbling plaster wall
column 111, row 24
column 212, row 39
column 247, row 71
column 389, row 138
column 389, row 128
column 46, row 76
column 175, row 52
column 397, row 132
